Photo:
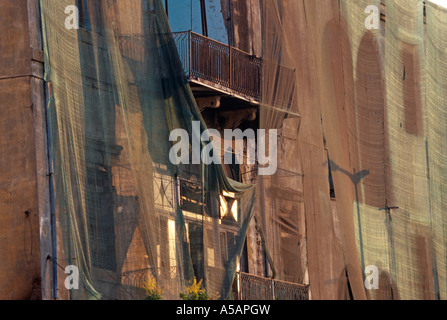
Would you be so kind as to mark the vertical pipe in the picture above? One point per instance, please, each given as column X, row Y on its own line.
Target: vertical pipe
column 434, row 269
column 204, row 19
column 239, row 279
column 190, row 54
column 230, row 23
column 264, row 217
column 362, row 256
column 48, row 93
column 392, row 255
column 230, row 68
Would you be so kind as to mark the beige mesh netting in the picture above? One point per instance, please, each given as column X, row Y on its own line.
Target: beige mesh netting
column 361, row 108
column 373, row 99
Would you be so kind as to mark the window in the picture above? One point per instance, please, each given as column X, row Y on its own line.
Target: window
column 164, row 192
column 184, row 15
column 191, row 197
column 229, row 210
column 172, row 246
column 205, row 17
column 227, row 241
column 100, row 217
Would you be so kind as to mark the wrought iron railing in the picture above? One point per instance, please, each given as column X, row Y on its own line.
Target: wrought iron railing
column 245, row 286
column 215, row 64
column 290, row 291
column 224, row 66
column 251, row 287
column 133, row 282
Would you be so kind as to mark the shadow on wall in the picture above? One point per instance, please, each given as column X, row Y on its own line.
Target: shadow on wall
column 356, row 134
column 338, row 117
column 370, row 132
column 387, row 289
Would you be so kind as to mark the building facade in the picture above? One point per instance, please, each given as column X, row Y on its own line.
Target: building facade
column 84, row 172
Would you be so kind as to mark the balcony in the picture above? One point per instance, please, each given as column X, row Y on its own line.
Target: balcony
column 251, row 287
column 245, row 286
column 220, row 76
column 212, row 66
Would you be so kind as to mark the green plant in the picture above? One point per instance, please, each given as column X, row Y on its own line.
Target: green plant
column 153, row 291
column 196, row 292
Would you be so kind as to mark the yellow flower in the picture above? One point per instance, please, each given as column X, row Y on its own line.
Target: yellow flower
column 195, row 288
column 196, row 292
column 152, row 288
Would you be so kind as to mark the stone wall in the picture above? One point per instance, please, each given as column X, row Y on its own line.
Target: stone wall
column 23, row 175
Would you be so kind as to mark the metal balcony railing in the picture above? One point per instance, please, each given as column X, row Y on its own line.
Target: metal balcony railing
column 223, row 66
column 133, row 282
column 251, row 287
column 245, row 286
column 218, row 66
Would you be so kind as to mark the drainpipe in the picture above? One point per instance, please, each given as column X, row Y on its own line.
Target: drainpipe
column 48, row 92
column 46, row 97
column 230, row 23
column 204, row 19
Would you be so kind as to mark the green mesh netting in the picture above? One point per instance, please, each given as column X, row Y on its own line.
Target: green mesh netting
column 370, row 101
column 127, row 214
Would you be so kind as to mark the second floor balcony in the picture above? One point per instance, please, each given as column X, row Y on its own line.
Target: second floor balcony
column 214, row 66
column 217, row 70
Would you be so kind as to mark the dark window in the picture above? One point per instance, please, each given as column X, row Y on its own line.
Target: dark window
column 100, row 218
column 201, row 16
column 84, row 17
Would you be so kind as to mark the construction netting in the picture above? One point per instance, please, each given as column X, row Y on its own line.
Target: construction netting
column 129, row 213
column 280, row 206
column 370, row 99
column 381, row 102
column 361, row 170
column 393, row 93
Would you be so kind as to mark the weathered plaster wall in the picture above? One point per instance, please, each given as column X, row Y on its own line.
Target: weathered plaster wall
column 22, row 156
